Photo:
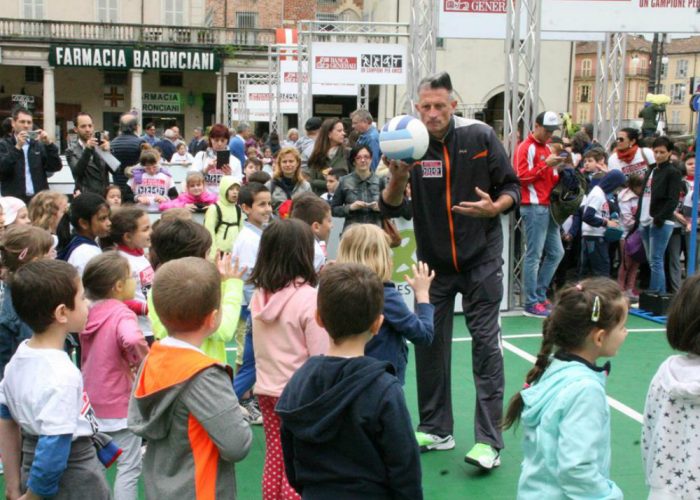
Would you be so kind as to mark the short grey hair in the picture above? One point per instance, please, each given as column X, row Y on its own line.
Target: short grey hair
column 292, row 131
column 242, row 127
column 169, row 134
column 128, row 123
column 440, row 80
column 362, row 114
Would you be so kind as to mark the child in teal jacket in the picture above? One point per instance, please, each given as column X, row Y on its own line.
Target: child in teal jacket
column 563, row 407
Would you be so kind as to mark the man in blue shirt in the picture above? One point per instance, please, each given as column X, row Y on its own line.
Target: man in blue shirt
column 362, row 124
column 237, row 143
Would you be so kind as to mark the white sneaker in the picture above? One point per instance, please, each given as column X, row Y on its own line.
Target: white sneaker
column 429, row 442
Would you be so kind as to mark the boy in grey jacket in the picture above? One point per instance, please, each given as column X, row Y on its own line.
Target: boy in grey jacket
column 183, row 402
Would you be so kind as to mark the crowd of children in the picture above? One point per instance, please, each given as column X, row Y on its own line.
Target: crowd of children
column 116, row 350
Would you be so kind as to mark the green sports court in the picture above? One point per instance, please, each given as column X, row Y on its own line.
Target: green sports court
column 446, row 476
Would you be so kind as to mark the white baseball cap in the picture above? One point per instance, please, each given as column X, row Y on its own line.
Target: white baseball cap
column 549, row 120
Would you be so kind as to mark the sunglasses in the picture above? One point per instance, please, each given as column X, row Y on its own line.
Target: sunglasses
column 621, row 139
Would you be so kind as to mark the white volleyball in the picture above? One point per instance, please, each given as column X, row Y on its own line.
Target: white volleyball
column 405, row 138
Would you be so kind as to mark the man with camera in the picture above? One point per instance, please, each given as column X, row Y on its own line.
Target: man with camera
column 89, row 169
column 25, row 158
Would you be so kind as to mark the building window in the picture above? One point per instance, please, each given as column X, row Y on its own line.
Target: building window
column 33, row 9
column 33, row 74
column 682, row 68
column 664, row 69
column 583, row 114
column 171, row 78
column 327, row 16
column 246, row 19
column 174, row 12
column 675, row 117
column 586, row 66
column 660, row 89
column 678, row 93
column 116, row 77
column 584, row 93
column 106, row 11
column 642, row 93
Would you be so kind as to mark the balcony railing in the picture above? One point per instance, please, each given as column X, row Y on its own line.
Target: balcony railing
column 69, row 31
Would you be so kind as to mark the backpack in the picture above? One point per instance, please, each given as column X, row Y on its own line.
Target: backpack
column 221, row 222
column 567, row 195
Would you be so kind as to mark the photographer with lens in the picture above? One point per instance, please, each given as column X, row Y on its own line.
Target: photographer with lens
column 89, row 169
column 25, row 158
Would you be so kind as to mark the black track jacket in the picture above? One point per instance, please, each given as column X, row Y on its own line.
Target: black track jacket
column 469, row 156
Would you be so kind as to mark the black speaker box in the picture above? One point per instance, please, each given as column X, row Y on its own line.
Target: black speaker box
column 655, row 303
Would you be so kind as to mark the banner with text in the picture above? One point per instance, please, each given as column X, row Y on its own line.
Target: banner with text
column 486, row 19
column 258, row 99
column 131, row 58
column 359, row 63
column 162, row 102
column 289, row 76
column 622, row 16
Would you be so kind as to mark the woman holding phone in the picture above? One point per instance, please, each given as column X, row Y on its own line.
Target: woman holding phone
column 217, row 160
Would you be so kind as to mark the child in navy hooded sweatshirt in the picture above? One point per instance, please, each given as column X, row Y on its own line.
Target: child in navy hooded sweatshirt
column 345, row 425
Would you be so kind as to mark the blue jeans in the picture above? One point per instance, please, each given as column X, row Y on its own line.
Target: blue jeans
column 655, row 240
column 595, row 258
column 541, row 237
column 245, row 378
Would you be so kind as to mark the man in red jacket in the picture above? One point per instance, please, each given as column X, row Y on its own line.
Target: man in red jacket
column 538, row 174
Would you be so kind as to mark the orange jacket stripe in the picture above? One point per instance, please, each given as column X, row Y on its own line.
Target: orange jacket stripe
column 448, row 198
column 483, row 154
column 206, row 460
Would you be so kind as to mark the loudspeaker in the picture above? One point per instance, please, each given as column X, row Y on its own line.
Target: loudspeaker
column 655, row 303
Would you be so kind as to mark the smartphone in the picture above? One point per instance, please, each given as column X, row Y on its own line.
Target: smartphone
column 33, row 135
column 98, row 137
column 564, row 154
column 222, row 158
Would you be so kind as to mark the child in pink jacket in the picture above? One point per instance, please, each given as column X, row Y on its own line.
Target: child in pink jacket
column 285, row 331
column 195, row 197
column 112, row 350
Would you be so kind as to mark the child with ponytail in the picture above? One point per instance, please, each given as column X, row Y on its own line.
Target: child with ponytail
column 563, row 405
column 89, row 217
column 20, row 245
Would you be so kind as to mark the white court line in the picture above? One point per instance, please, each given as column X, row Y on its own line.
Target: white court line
column 621, row 407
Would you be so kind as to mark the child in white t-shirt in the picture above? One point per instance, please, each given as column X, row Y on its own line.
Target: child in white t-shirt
column 47, row 426
column 181, row 156
column 152, row 187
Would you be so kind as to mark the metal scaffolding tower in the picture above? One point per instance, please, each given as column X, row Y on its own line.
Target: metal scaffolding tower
column 520, row 111
column 422, row 46
column 610, row 88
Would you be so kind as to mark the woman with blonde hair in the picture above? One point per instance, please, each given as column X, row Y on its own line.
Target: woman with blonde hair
column 367, row 244
column 287, row 179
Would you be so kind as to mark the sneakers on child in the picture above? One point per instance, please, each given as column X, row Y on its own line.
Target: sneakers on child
column 547, row 305
column 429, row 442
column 484, row 456
column 254, row 416
column 536, row 311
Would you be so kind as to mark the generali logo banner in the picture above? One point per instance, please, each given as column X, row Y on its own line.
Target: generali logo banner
column 358, row 63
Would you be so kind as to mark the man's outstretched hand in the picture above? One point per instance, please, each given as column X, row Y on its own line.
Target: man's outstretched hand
column 485, row 207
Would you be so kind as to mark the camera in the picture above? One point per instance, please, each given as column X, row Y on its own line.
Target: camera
column 98, row 137
column 32, row 135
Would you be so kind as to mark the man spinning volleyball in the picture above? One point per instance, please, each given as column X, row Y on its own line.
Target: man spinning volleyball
column 464, row 181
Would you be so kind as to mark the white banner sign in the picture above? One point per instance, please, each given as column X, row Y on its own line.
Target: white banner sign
column 622, row 16
column 258, row 99
column 289, row 76
column 360, row 63
column 486, row 19
column 253, row 116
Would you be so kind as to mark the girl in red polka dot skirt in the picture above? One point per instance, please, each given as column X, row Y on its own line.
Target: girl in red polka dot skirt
column 285, row 332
